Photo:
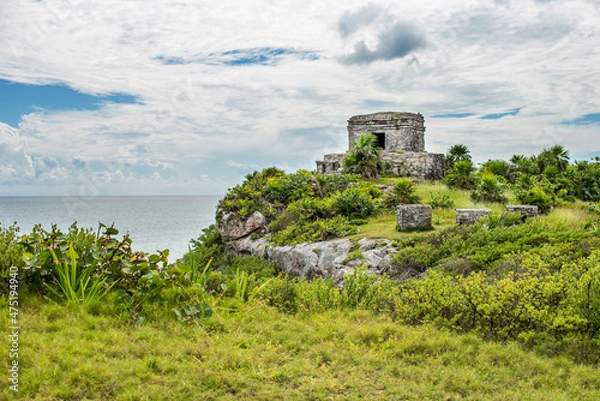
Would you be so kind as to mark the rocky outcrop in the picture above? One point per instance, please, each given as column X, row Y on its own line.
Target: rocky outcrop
column 327, row 259
column 233, row 227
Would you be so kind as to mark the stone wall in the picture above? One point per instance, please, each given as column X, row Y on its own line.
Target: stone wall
column 424, row 166
column 413, row 216
column 330, row 163
column 403, row 131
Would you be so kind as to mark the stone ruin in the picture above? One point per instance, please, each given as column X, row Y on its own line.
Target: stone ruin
column 470, row 216
column 401, row 136
column 525, row 210
column 413, row 216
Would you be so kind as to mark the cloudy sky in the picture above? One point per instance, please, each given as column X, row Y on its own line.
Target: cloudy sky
column 187, row 96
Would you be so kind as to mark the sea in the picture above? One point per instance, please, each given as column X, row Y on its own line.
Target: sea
column 153, row 222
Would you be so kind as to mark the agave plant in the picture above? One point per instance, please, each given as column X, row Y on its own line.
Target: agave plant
column 75, row 285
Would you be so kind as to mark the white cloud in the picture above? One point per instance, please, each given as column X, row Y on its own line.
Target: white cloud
column 196, row 120
column 242, row 166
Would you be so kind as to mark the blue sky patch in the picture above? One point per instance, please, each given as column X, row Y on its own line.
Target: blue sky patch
column 238, row 57
column 497, row 116
column 456, row 115
column 586, row 119
column 18, row 99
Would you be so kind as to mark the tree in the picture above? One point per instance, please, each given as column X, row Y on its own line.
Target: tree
column 555, row 158
column 364, row 158
column 456, row 153
column 522, row 165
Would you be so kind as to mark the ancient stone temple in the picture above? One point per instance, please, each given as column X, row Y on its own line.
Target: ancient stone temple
column 401, row 136
column 394, row 131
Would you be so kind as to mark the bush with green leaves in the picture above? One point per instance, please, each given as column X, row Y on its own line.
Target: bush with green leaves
column 539, row 195
column 357, row 201
column 585, row 176
column 488, row 189
column 440, row 200
column 74, row 284
column 491, row 246
column 461, row 175
column 403, row 192
column 314, row 231
column 500, row 168
column 364, row 158
column 11, row 253
column 111, row 259
column 206, row 248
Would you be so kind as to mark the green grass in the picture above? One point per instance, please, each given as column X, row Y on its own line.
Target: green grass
column 255, row 352
column 570, row 215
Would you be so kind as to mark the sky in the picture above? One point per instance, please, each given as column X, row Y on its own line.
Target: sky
column 182, row 97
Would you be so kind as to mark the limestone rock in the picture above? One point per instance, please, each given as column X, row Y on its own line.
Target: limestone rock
column 320, row 259
column 232, row 227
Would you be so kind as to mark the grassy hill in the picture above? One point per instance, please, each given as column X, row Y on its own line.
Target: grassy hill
column 503, row 309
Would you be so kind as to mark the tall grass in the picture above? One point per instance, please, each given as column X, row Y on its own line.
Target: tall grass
column 255, row 352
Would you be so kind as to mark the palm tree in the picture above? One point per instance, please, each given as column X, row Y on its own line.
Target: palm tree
column 554, row 157
column 364, row 158
column 522, row 165
column 457, row 153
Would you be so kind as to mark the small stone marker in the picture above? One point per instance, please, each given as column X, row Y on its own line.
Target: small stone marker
column 470, row 216
column 525, row 210
column 413, row 216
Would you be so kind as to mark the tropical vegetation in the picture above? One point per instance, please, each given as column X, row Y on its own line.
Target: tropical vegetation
column 504, row 309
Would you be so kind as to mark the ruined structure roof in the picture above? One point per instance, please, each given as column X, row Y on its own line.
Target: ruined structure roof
column 386, row 115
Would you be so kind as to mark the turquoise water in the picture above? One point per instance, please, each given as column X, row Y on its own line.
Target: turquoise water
column 154, row 222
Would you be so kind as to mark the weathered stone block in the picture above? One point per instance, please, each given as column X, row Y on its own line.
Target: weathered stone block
column 413, row 216
column 525, row 210
column 424, row 166
column 470, row 216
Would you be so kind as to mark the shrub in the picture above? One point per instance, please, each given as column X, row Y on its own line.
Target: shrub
column 358, row 290
column 441, row 200
column 314, row 231
column 461, row 175
column 208, row 246
column 537, row 195
column 137, row 273
column 488, row 189
column 403, row 192
column 500, row 168
column 356, row 201
column 281, row 293
column 364, row 158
